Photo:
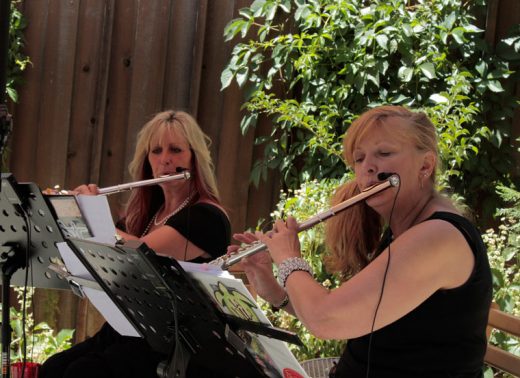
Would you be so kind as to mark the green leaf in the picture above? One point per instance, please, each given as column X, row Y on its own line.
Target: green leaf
column 242, row 75
column 405, row 74
column 226, row 77
column 12, row 93
column 458, row 35
column 428, row 70
column 439, row 99
column 495, row 86
column 382, row 40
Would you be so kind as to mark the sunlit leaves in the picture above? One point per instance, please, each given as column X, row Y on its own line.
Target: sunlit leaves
column 316, row 67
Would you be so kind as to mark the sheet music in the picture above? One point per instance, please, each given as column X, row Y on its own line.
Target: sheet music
column 96, row 211
column 233, row 298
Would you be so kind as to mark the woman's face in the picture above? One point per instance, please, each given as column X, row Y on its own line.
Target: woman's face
column 384, row 149
column 169, row 151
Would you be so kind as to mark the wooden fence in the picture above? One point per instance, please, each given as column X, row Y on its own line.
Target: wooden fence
column 101, row 68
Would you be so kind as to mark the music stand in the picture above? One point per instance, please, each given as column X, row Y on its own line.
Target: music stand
column 170, row 310
column 28, row 237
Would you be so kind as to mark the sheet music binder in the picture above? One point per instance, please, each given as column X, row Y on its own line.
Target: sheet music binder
column 151, row 291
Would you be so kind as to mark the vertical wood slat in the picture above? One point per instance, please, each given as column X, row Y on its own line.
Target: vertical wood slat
column 149, row 62
column 112, row 168
column 90, row 76
column 57, row 90
column 181, row 71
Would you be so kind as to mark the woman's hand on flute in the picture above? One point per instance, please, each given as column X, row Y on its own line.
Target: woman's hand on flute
column 282, row 241
column 259, row 270
column 88, row 190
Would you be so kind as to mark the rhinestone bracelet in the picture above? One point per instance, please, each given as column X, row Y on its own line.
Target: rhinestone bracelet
column 290, row 265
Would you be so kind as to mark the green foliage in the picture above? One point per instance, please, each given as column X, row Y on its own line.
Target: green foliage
column 17, row 60
column 503, row 245
column 303, row 203
column 315, row 65
column 41, row 341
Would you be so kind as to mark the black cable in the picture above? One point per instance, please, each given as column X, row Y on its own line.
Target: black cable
column 382, row 286
column 178, row 347
column 188, row 224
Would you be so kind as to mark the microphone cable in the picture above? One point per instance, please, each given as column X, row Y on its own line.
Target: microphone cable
column 178, row 352
column 382, row 285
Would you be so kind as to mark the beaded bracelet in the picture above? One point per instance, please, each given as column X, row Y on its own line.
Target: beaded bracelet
column 290, row 265
column 282, row 304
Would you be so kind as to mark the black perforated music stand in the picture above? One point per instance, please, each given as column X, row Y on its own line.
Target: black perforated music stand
column 28, row 237
column 159, row 298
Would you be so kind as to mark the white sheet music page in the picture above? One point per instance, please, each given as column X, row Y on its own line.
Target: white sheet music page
column 232, row 297
column 96, row 211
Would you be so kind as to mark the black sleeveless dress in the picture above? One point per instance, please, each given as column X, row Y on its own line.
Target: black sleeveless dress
column 442, row 337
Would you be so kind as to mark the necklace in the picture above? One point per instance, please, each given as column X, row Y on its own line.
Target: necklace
column 163, row 221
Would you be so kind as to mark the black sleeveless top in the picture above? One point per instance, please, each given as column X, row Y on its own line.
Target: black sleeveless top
column 206, row 226
column 443, row 337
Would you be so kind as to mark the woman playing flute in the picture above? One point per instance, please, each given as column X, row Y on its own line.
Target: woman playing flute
column 417, row 297
column 183, row 219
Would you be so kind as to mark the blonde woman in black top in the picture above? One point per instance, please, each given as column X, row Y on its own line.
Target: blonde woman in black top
column 182, row 219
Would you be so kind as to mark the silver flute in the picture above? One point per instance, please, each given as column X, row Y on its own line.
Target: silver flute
column 228, row 260
column 185, row 175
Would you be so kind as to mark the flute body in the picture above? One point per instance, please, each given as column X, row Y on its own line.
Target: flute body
column 226, row 261
column 131, row 185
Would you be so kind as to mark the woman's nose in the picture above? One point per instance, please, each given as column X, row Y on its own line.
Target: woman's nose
column 165, row 158
column 369, row 166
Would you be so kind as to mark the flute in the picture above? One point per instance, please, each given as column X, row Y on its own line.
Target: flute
column 185, row 175
column 226, row 261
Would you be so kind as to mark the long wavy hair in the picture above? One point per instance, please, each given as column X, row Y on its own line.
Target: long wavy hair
column 146, row 200
column 353, row 235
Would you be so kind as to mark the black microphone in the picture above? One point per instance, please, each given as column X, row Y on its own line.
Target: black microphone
column 384, row 175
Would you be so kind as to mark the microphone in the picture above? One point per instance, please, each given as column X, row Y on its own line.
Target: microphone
column 384, row 175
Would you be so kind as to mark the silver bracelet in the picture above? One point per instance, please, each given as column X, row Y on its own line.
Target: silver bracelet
column 290, row 265
column 283, row 303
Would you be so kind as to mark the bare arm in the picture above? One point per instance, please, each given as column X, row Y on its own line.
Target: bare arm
column 421, row 263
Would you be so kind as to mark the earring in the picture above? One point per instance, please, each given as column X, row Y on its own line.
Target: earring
column 422, row 176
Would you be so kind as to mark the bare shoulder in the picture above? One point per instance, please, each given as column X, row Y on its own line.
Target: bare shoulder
column 440, row 248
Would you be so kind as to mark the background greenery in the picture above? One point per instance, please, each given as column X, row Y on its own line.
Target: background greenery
column 315, row 65
column 312, row 66
column 36, row 341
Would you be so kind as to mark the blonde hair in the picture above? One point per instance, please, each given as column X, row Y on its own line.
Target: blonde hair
column 146, row 200
column 353, row 235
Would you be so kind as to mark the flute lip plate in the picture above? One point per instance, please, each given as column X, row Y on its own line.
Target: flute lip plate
column 394, row 180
